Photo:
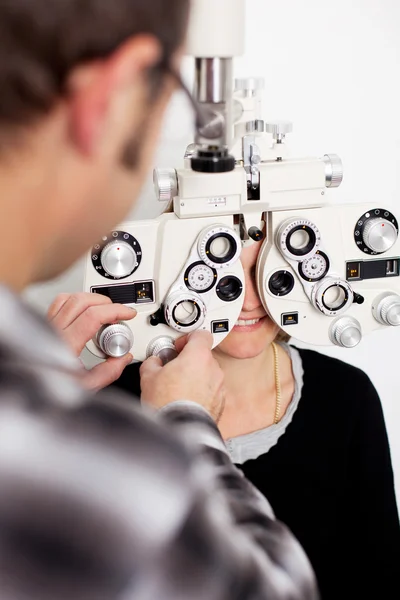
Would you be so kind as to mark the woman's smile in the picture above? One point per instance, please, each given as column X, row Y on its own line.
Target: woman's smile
column 248, row 325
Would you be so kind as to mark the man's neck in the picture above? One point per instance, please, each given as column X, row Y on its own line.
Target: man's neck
column 28, row 181
column 19, row 234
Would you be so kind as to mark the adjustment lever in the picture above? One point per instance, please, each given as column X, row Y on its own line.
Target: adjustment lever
column 255, row 234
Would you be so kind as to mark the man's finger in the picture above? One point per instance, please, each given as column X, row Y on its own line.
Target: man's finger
column 151, row 367
column 198, row 340
column 85, row 327
column 180, row 343
column 75, row 305
column 106, row 373
column 57, row 305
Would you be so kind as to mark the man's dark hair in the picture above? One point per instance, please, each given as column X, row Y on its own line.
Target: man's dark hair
column 41, row 41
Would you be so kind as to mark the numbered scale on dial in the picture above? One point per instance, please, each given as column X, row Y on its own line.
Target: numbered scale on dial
column 117, row 256
column 298, row 239
column 200, row 278
column 376, row 231
column 219, row 247
column 314, row 268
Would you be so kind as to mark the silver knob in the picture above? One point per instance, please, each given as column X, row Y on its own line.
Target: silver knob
column 119, row 259
column 165, row 184
column 115, row 340
column 279, row 129
column 333, row 170
column 256, row 126
column 251, row 85
column 345, row 332
column 191, row 150
column 386, row 309
column 164, row 348
column 379, row 235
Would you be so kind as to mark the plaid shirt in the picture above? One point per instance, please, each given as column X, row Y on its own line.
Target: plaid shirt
column 100, row 501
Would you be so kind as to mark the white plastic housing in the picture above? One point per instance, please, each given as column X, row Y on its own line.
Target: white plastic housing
column 217, row 28
column 284, row 185
column 336, row 225
column 168, row 246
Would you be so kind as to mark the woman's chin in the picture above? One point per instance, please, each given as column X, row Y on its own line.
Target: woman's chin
column 241, row 344
column 242, row 353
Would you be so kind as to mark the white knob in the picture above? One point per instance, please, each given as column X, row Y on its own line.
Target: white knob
column 164, row 348
column 279, row 128
column 345, row 332
column 386, row 309
column 118, row 259
column 333, row 170
column 165, row 184
column 115, row 340
column 379, row 235
column 249, row 84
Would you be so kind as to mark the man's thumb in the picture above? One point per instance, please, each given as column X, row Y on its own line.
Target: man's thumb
column 151, row 367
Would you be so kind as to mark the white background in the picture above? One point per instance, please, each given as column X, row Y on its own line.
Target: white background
column 333, row 69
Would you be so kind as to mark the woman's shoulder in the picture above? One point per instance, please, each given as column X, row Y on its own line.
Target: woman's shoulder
column 323, row 366
column 336, row 381
column 336, row 392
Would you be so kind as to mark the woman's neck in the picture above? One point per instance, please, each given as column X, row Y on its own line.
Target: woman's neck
column 247, row 376
column 251, row 391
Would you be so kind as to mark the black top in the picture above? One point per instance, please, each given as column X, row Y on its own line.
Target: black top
column 330, row 479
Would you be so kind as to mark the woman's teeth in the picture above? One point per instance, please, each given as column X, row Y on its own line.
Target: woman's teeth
column 242, row 323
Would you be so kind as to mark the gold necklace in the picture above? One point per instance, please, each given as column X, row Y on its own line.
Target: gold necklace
column 278, row 391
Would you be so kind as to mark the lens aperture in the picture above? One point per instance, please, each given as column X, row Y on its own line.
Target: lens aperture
column 335, row 297
column 301, row 240
column 298, row 239
column 281, row 283
column 186, row 313
column 219, row 246
column 230, row 288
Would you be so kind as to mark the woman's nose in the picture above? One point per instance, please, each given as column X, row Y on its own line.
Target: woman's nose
column 251, row 298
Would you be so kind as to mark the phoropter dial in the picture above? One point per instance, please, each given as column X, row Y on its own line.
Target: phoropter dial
column 314, row 268
column 345, row 332
column 386, row 309
column 184, row 311
column 332, row 296
column 376, row 231
column 118, row 259
column 200, row 278
column 219, row 246
column 117, row 256
column 163, row 348
column 115, row 340
column 298, row 239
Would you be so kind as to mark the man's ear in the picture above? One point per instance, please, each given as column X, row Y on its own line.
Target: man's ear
column 94, row 89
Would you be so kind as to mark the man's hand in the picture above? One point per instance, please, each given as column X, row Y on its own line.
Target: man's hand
column 194, row 375
column 78, row 317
